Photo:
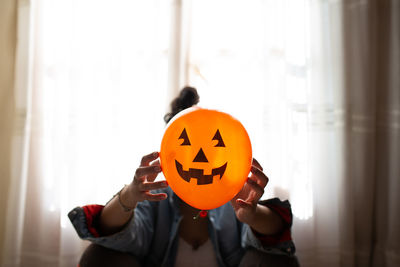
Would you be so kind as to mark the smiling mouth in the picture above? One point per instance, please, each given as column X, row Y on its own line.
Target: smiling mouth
column 198, row 174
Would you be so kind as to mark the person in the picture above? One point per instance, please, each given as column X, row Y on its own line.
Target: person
column 151, row 226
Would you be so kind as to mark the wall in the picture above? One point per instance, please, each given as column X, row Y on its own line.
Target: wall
column 8, row 23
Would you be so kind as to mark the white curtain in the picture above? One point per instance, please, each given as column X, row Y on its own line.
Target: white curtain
column 96, row 98
column 277, row 65
column 316, row 84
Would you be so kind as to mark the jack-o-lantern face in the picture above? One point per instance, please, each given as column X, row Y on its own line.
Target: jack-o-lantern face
column 205, row 157
column 198, row 174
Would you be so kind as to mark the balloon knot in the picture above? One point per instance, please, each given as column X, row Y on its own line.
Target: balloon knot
column 201, row 214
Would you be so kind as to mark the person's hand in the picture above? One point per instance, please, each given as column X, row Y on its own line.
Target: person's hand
column 245, row 202
column 139, row 189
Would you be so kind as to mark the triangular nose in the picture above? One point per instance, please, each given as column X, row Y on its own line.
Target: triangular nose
column 200, row 157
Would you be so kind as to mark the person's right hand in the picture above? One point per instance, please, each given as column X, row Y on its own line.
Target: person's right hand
column 139, row 189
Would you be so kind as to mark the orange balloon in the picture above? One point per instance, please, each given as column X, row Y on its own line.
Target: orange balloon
column 205, row 157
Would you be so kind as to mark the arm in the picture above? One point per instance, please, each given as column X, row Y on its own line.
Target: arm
column 118, row 212
column 114, row 227
column 259, row 217
column 277, row 243
column 266, row 221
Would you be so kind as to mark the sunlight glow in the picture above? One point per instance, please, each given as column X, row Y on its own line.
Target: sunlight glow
column 251, row 61
column 105, row 81
column 103, row 94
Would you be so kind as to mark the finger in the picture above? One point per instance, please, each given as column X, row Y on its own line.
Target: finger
column 244, row 204
column 156, row 162
column 257, row 164
column 260, row 176
column 141, row 172
column 153, row 186
column 148, row 158
column 259, row 190
column 154, row 197
column 152, row 177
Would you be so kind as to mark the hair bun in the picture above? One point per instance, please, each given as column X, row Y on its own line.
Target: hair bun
column 187, row 98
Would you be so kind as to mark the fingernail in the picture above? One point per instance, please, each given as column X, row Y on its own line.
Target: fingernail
column 157, row 168
column 155, row 154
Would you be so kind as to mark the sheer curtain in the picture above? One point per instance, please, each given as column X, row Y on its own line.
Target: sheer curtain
column 97, row 98
column 317, row 85
column 277, row 65
column 314, row 82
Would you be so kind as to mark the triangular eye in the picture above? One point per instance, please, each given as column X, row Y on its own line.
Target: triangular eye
column 185, row 138
column 218, row 137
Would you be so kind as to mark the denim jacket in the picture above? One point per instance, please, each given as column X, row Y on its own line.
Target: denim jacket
column 152, row 233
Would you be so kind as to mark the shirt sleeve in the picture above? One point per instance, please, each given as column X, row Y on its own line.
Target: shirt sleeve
column 280, row 243
column 134, row 238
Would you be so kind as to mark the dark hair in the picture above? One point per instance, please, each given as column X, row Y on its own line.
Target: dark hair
column 187, row 98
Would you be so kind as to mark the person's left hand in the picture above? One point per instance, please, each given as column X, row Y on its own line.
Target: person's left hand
column 245, row 202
